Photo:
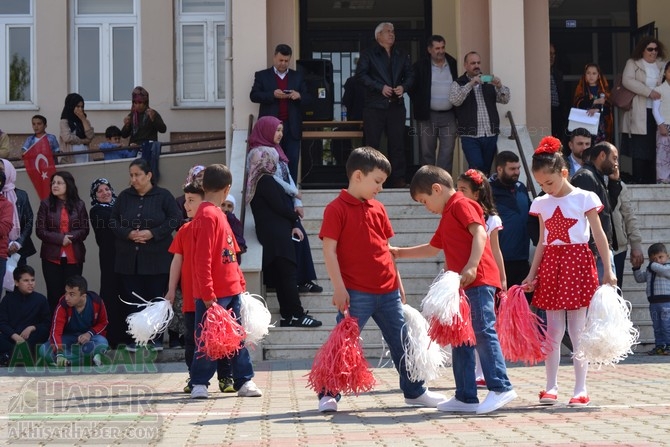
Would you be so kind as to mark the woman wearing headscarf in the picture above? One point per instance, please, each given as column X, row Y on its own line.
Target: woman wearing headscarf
column 267, row 132
column 277, row 227
column 8, row 220
column 142, row 123
column 22, row 220
column 102, row 200
column 76, row 132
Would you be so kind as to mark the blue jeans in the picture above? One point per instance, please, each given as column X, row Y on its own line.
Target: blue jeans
column 488, row 348
column 660, row 319
column 600, row 267
column 203, row 368
column 386, row 310
column 479, row 152
column 73, row 351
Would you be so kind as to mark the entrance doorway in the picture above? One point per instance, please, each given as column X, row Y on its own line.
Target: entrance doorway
column 339, row 31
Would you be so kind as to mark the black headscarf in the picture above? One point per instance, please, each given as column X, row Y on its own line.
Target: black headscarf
column 94, row 189
column 73, row 120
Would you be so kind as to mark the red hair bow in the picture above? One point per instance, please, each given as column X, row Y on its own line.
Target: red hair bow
column 475, row 176
column 549, row 145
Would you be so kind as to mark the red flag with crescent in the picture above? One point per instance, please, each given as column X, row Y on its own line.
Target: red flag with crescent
column 40, row 166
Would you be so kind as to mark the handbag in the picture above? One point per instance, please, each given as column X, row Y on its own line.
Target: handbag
column 621, row 97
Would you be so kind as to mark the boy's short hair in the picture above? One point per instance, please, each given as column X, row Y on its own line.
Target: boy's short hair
column 22, row 270
column 77, row 281
column 366, row 159
column 283, row 49
column 194, row 187
column 216, row 177
column 505, row 157
column 426, row 176
column 656, row 248
column 112, row 131
column 41, row 118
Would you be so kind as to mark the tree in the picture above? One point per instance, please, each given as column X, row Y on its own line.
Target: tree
column 19, row 79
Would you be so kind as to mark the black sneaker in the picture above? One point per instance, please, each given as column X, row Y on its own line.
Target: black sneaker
column 302, row 321
column 310, row 287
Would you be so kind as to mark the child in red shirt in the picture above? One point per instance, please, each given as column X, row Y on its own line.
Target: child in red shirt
column 355, row 233
column 462, row 235
column 217, row 276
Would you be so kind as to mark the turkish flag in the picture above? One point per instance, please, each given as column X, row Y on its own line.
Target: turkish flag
column 40, row 166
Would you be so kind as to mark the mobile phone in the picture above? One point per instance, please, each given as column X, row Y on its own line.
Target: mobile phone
column 295, row 238
column 288, row 92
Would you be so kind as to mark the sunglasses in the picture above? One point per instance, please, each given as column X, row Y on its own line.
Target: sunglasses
column 652, row 49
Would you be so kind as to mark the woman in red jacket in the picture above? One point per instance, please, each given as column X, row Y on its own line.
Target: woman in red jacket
column 62, row 226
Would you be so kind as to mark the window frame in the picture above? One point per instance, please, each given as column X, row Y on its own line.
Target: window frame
column 210, row 22
column 105, row 24
column 7, row 22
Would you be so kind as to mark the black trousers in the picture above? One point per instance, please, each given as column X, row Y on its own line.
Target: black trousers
column 282, row 273
column 391, row 121
column 55, row 276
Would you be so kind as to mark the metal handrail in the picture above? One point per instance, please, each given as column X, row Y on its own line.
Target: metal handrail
column 246, row 173
column 515, row 136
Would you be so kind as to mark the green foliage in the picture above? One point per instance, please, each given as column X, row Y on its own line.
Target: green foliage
column 19, row 79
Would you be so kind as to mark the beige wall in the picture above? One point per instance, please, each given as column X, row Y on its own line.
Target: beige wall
column 655, row 11
column 536, row 44
column 445, row 24
column 474, row 32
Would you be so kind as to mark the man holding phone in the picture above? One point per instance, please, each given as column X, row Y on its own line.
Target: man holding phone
column 281, row 92
column 478, row 126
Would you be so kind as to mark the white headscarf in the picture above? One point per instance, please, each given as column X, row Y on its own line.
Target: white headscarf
column 10, row 194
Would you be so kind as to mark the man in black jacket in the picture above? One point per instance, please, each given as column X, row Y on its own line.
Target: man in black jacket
column 603, row 161
column 478, row 126
column 387, row 74
column 433, row 112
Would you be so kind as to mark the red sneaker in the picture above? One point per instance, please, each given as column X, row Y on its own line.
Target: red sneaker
column 481, row 383
column 581, row 401
column 548, row 398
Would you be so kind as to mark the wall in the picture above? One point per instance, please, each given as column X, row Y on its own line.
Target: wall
column 655, row 11
column 536, row 42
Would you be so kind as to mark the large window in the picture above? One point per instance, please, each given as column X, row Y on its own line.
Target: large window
column 200, row 32
column 16, row 52
column 105, row 56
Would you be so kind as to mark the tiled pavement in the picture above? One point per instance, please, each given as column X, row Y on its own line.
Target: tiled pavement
column 630, row 406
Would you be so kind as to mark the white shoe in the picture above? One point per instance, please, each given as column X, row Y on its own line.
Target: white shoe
column 327, row 404
column 454, row 405
column 495, row 400
column 97, row 360
column 249, row 389
column 427, row 399
column 199, row 392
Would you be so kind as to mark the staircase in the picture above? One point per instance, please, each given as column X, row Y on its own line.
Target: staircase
column 414, row 225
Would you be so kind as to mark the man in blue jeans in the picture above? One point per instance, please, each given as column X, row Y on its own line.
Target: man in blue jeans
column 474, row 96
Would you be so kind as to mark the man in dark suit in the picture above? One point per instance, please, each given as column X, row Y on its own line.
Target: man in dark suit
column 433, row 112
column 281, row 92
column 387, row 74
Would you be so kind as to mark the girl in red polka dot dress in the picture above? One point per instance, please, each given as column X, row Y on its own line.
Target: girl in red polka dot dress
column 563, row 272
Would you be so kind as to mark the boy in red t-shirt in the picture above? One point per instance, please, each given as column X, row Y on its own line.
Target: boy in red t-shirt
column 462, row 235
column 181, row 277
column 355, row 233
column 217, row 276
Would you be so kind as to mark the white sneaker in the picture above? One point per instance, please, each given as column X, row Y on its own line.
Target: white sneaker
column 427, row 399
column 97, row 360
column 495, row 400
column 199, row 392
column 454, row 405
column 249, row 389
column 327, row 404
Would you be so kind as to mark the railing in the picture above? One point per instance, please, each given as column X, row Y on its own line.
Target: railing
column 246, row 174
column 167, row 143
column 515, row 136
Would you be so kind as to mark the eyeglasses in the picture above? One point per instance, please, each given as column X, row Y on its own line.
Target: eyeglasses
column 652, row 49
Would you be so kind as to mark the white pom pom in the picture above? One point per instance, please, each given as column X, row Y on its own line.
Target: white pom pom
column 424, row 358
column 255, row 317
column 154, row 319
column 609, row 334
column 443, row 298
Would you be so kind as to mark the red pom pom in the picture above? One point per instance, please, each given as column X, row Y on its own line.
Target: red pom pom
column 221, row 335
column 549, row 145
column 459, row 332
column 521, row 332
column 340, row 366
